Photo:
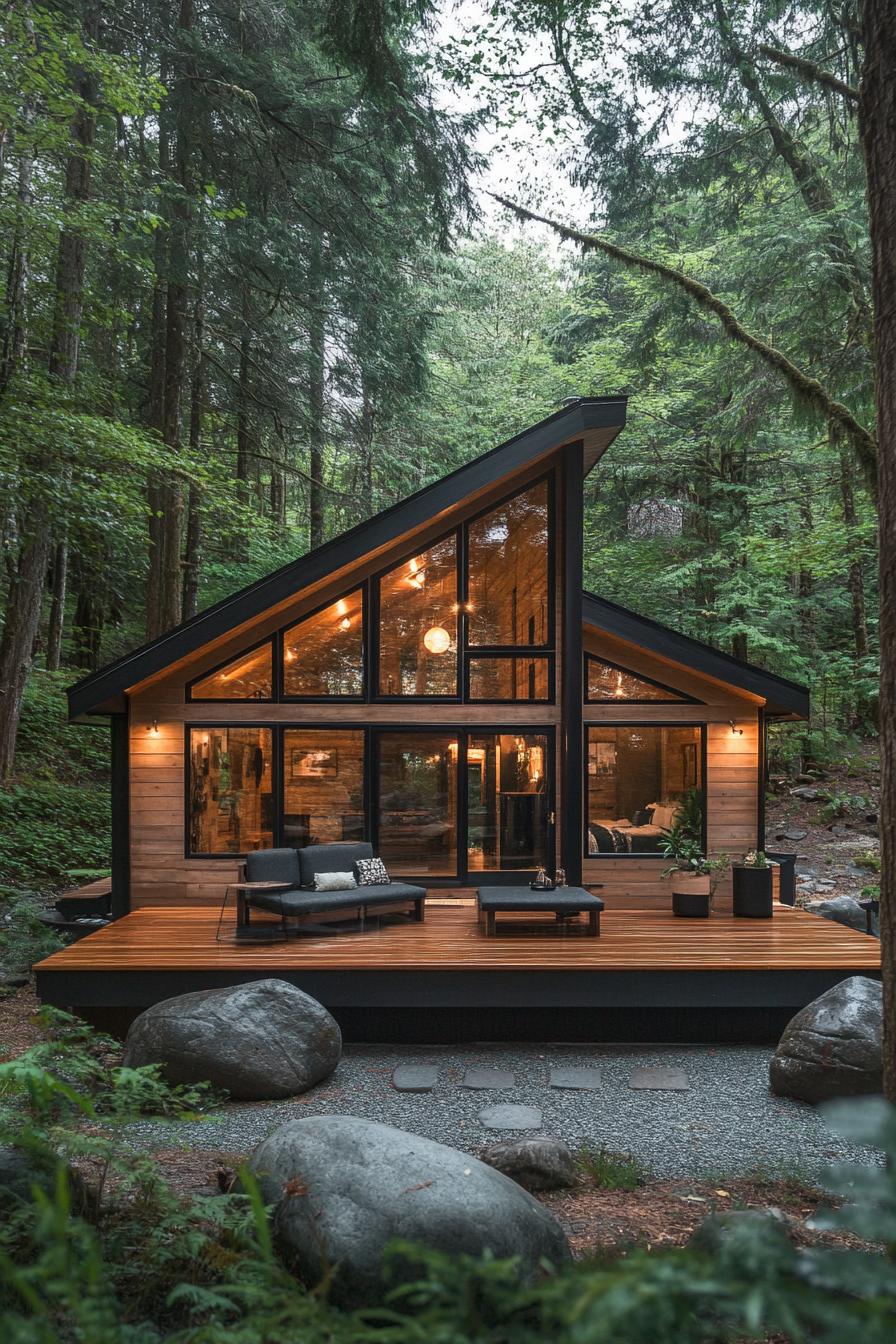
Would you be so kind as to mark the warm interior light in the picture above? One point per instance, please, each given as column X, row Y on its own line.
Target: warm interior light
column 735, row 731
column 619, row 689
column 341, row 608
column 290, row 655
column 418, row 580
column 153, row 728
column 437, row 639
column 345, row 623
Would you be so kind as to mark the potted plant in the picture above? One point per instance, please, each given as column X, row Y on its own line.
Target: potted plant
column 694, row 877
column 753, row 886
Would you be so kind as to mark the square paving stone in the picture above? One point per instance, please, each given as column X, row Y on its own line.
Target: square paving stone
column 659, row 1079
column 488, row 1078
column 415, row 1078
column 509, row 1116
column 579, row 1080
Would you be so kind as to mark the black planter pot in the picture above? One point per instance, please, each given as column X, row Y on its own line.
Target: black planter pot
column 691, row 904
column 752, row 892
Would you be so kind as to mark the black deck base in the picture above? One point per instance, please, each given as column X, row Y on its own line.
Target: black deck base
column 444, row 1007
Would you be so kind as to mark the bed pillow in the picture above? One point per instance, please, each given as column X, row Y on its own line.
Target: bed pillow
column 664, row 817
column 372, row 873
column 334, row 882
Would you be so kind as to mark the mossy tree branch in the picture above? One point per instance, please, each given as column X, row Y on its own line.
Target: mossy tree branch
column 809, row 391
column 810, row 72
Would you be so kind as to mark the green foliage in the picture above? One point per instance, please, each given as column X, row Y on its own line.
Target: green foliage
column 756, row 858
column 47, row 829
column 869, row 858
column 841, row 804
column 23, row 938
column 611, row 1171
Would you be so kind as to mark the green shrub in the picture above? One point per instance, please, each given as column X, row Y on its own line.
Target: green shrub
column 23, row 938
column 48, row 746
column 870, row 858
column 48, row 829
column 611, row 1171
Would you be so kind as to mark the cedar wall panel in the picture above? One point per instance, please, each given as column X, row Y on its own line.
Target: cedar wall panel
column 160, row 873
column 732, row 770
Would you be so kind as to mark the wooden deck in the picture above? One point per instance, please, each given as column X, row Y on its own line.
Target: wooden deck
column 645, row 964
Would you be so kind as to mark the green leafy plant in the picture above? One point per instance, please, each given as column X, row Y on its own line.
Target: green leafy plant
column 755, row 858
column 608, row 1170
column 869, row 858
column 23, row 938
column 842, row 804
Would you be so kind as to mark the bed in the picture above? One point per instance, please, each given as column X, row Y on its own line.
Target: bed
column 621, row 835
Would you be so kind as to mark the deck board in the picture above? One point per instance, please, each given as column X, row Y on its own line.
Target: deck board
column 183, row 939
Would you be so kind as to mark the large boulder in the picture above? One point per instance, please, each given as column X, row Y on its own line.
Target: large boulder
column 832, row 1048
column 840, row 909
column 536, row 1164
column 258, row 1041
column 344, row 1188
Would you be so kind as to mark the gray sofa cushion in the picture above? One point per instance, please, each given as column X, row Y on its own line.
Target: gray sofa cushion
column 273, row 865
column 335, row 858
column 311, row 902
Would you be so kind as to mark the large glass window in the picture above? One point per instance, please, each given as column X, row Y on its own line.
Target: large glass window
column 609, row 684
column 245, row 678
column 641, row 779
column 323, row 786
column 418, row 613
column 509, row 677
column 508, row 583
column 324, row 654
column 417, row 802
column 231, row 792
column 507, row 797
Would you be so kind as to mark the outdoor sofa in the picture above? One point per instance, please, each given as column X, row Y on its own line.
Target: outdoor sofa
column 299, row 867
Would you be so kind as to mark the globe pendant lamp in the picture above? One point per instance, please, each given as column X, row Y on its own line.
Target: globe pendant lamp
column 437, row 639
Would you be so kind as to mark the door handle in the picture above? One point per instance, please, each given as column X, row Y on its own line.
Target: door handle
column 551, row 818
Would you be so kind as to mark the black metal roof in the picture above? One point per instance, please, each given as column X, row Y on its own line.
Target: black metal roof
column 784, row 699
column 598, row 418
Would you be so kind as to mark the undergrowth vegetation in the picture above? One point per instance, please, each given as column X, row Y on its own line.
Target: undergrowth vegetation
column 100, row 1250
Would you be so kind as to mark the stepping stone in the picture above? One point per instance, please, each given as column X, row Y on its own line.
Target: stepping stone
column 488, row 1078
column 415, row 1078
column 579, row 1080
column 660, row 1079
column 510, row 1116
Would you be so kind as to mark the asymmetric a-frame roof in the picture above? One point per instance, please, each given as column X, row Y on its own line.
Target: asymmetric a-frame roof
column 595, row 421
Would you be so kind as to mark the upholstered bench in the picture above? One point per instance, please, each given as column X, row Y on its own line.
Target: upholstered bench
column 299, row 866
column 564, row 902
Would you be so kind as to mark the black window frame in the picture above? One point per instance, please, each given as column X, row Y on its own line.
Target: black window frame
column 641, row 723
column 547, row 655
column 361, row 587
column 271, row 699
column 677, row 697
column 376, row 696
column 276, row 785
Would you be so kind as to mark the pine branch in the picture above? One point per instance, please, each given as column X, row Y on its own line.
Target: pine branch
column 810, row 72
column 807, row 390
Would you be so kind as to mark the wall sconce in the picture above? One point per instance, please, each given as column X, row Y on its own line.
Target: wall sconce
column 153, row 728
column 737, row 732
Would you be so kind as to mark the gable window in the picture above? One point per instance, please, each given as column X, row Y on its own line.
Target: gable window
column 606, row 683
column 323, row 655
column 230, row 806
column 418, row 620
column 640, row 780
column 508, row 580
column 248, row 677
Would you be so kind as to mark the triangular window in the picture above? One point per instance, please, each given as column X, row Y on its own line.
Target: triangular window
column 248, row 677
column 605, row 683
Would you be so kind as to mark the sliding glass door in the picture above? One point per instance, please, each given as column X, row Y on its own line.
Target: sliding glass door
column 458, row 805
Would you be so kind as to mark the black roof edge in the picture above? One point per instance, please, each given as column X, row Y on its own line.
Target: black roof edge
column 92, row 692
column 784, row 698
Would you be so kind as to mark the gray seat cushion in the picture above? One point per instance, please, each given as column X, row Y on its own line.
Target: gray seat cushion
column 335, row 858
column 294, row 903
column 273, row 865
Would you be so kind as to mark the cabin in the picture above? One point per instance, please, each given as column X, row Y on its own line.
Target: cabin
column 437, row 681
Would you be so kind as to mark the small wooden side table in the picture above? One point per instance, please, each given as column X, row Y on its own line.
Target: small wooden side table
column 246, row 932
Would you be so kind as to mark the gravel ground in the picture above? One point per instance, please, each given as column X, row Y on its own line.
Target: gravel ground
column 727, row 1124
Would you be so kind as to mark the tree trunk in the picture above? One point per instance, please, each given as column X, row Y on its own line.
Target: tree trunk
column 877, row 114
column 89, row 559
column 56, row 623
column 20, row 629
column 156, row 407
column 316, row 411
column 13, row 321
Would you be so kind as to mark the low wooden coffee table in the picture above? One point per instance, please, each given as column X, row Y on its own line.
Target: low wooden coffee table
column 564, row 902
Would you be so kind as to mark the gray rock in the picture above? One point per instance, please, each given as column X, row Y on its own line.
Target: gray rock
column 578, row 1080
column 510, row 1116
column 488, row 1079
column 727, row 1228
column 415, row 1078
column 832, row 1048
column 10, row 980
column 840, row 909
column 21, row 1172
column 805, row 791
column 345, row 1188
column 795, row 836
column 258, row 1041
column 535, row 1164
column 659, row 1080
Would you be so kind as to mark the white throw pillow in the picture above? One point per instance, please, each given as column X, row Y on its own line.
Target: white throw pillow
column 334, row 882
